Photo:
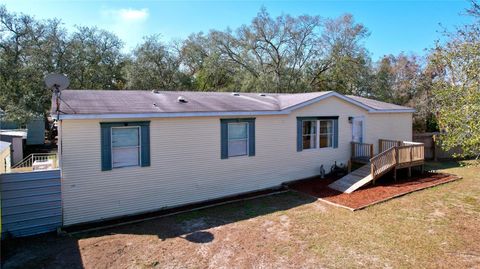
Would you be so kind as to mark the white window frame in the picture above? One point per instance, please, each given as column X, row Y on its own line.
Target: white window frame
column 139, row 145
column 248, row 139
column 317, row 134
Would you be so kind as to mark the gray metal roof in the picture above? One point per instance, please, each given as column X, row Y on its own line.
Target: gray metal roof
column 95, row 102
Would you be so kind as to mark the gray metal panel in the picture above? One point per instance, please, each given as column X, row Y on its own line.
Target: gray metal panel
column 20, row 185
column 32, row 192
column 36, row 132
column 31, row 207
column 36, row 230
column 31, row 202
column 30, row 176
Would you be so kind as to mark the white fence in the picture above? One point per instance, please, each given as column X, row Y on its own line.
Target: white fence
column 36, row 162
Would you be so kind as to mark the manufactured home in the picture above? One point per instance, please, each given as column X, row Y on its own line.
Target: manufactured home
column 130, row 152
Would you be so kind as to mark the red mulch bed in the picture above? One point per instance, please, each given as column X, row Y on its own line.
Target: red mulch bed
column 383, row 190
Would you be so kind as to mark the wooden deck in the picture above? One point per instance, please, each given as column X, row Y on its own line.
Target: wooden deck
column 394, row 155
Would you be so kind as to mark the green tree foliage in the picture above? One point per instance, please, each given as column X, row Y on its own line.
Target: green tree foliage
column 205, row 65
column 282, row 54
column 94, row 59
column 397, row 78
column 406, row 80
column 26, row 47
column 457, row 87
column 344, row 65
column 155, row 66
column 30, row 49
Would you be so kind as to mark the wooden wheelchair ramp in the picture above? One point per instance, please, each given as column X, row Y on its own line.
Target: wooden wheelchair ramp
column 354, row 180
column 400, row 155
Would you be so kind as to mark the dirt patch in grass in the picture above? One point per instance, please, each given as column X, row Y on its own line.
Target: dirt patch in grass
column 372, row 194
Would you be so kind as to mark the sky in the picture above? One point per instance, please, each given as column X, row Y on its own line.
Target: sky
column 395, row 26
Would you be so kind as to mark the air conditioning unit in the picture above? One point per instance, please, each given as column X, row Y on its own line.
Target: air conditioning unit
column 43, row 165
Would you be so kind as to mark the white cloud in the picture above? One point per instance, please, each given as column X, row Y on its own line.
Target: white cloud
column 128, row 14
column 127, row 23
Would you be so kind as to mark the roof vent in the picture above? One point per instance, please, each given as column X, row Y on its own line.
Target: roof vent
column 262, row 94
column 182, row 99
column 235, row 94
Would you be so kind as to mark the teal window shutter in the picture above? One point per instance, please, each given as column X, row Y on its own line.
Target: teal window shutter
column 106, row 146
column 106, row 142
column 224, row 139
column 299, row 135
column 251, row 137
column 145, row 145
column 335, row 133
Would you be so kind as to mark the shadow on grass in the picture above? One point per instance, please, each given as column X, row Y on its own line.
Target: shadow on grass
column 52, row 251
column 192, row 225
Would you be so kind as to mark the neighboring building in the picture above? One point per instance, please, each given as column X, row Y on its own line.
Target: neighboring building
column 5, row 158
column 17, row 138
column 128, row 152
column 35, row 130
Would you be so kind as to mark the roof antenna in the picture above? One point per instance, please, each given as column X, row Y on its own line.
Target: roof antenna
column 57, row 83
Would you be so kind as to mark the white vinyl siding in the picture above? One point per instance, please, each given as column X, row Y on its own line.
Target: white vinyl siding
column 185, row 167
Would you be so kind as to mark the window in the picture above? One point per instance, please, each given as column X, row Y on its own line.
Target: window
column 317, row 132
column 237, row 139
column 309, row 134
column 125, row 146
column 310, row 129
column 326, row 133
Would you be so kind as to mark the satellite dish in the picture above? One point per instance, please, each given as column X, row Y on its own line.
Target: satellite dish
column 56, row 82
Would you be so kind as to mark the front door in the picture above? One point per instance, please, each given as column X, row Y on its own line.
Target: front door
column 357, row 129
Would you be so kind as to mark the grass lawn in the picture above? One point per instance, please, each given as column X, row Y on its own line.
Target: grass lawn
column 432, row 228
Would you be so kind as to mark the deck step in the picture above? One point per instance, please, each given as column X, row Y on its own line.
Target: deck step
column 354, row 180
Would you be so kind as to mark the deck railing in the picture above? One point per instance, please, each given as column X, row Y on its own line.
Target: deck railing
column 383, row 162
column 384, row 144
column 28, row 162
column 410, row 152
column 362, row 151
column 399, row 154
